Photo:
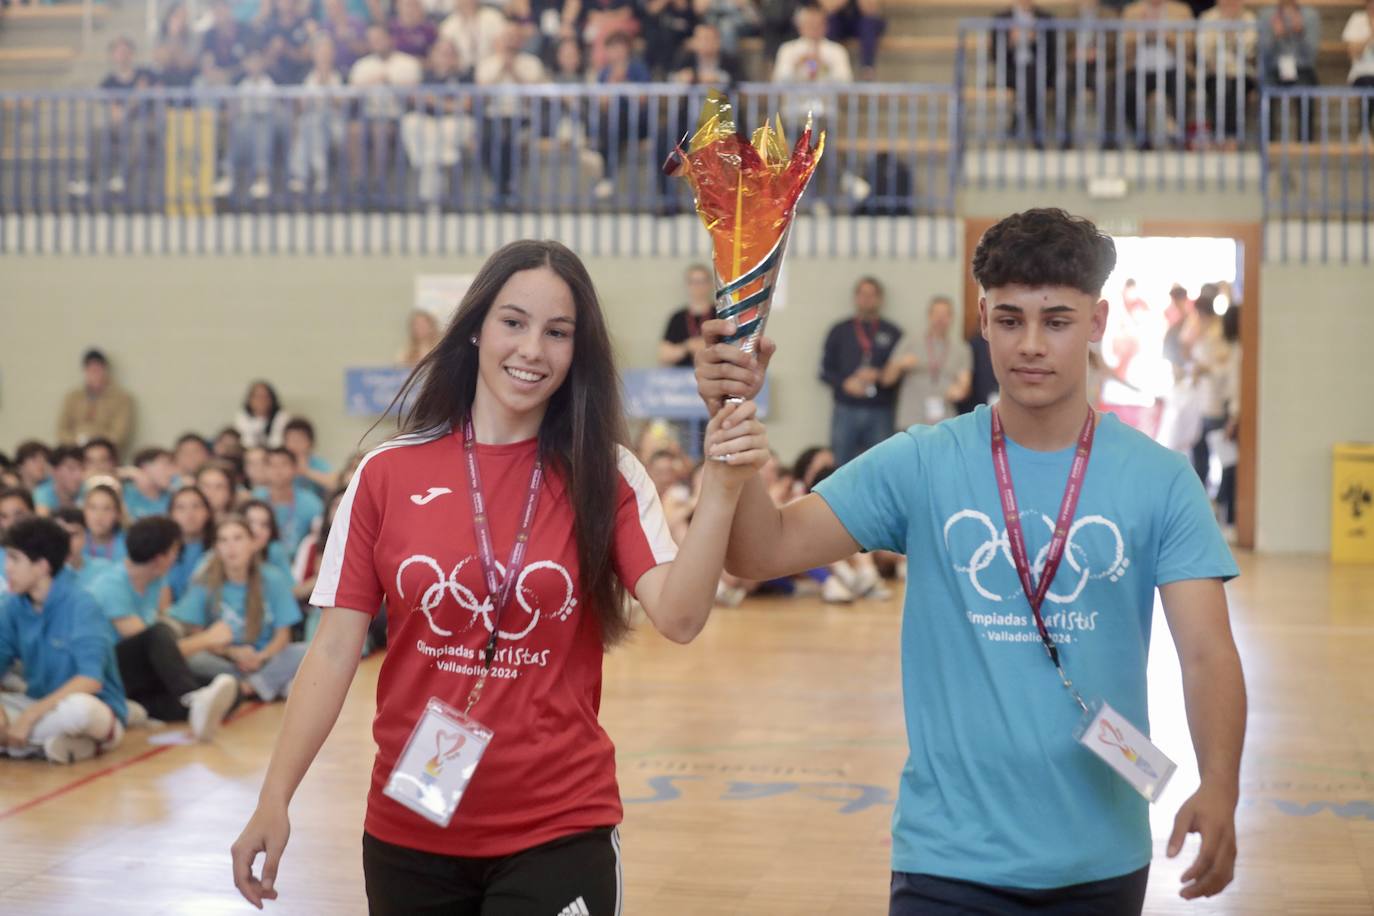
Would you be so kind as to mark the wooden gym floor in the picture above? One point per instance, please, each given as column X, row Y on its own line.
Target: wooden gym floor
column 758, row 766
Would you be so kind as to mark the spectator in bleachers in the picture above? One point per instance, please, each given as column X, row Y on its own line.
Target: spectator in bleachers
column 253, row 129
column 62, row 489
column 668, row 24
column 296, row 509
column 190, row 454
column 504, row 118
column 411, row 31
column 704, row 61
column 285, row 39
column 33, row 463
column 125, row 133
column 732, row 19
column 422, row 335
column 1086, row 44
column 98, row 408
column 1236, row 52
column 314, row 473
column 856, row 350
column 195, row 517
column 349, row 31
column 101, row 458
column 149, row 489
column 682, row 337
column 177, row 54
column 1289, row 39
column 1028, row 62
column 1152, row 54
column 811, row 57
column 255, row 600
column 104, row 513
column 152, row 660
column 319, row 121
column 439, row 127
column 15, row 503
column 372, row 135
column 262, row 525
column 261, row 421
column 934, row 374
column 227, row 40
column 73, row 521
column 1358, row 36
column 475, row 32
column 595, row 21
column 73, row 706
column 217, row 481
column 861, row 20
column 623, row 119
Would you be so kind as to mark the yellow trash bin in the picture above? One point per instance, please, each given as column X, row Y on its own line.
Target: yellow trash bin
column 1352, row 503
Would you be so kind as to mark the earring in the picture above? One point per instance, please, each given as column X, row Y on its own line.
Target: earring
column 474, row 340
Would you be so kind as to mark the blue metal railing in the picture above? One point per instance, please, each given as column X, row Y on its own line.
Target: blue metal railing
column 270, row 169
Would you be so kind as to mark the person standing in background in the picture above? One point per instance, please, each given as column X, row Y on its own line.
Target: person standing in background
column 933, row 377
column 682, row 336
column 261, row 422
column 99, row 408
column 423, row 332
column 856, row 349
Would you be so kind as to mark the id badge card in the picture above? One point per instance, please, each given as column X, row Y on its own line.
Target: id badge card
column 437, row 764
column 1112, row 737
column 1288, row 68
column 935, row 409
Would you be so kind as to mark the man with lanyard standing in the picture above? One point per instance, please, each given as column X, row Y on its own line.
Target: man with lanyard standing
column 1016, row 794
column 856, row 350
column 935, row 374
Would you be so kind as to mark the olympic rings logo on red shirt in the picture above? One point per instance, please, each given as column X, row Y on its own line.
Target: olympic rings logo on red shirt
column 432, row 597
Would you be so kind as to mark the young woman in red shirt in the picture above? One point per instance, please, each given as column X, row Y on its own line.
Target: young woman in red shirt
column 511, row 446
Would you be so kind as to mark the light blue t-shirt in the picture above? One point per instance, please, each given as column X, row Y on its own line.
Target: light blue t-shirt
column 115, row 594
column 279, row 606
column 995, row 788
column 294, row 519
column 91, row 569
column 188, row 561
column 45, row 496
column 112, row 552
column 139, row 506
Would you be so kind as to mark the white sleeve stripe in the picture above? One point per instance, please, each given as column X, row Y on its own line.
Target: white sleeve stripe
column 331, row 562
column 652, row 521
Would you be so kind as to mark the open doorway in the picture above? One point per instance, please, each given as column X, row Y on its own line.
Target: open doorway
column 1163, row 367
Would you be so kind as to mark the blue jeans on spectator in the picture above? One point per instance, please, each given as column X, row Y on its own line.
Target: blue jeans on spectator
column 855, row 429
column 250, row 145
column 269, row 682
column 317, row 132
column 927, row 895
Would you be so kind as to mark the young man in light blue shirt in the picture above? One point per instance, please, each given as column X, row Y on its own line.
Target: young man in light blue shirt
column 313, row 473
column 149, row 491
column 296, row 508
column 1000, row 808
column 63, row 486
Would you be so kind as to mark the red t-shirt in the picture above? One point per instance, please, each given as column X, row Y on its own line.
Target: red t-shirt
column 403, row 533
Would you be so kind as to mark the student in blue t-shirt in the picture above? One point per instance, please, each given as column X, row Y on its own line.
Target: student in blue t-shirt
column 152, row 657
column 296, row 509
column 262, row 522
column 1000, row 808
column 254, row 599
column 73, row 706
column 313, row 473
column 104, row 513
column 63, row 486
column 192, row 512
column 73, row 521
column 149, row 491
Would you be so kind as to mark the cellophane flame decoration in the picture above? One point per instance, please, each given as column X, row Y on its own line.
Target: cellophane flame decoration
column 746, row 190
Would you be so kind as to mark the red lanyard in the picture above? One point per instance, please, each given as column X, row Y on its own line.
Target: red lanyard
column 865, row 341
column 693, row 324
column 498, row 588
column 1035, row 592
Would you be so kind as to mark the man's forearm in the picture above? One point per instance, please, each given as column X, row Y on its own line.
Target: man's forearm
column 1214, row 696
column 757, row 527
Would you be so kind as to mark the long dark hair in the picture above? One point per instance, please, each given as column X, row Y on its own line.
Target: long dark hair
column 207, row 534
column 583, row 427
column 271, row 411
column 242, row 512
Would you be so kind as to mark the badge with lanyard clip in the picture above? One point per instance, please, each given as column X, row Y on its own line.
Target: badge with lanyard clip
column 1103, row 731
column 443, row 751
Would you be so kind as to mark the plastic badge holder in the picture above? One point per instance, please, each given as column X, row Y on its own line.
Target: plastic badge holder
column 438, row 762
column 1121, row 745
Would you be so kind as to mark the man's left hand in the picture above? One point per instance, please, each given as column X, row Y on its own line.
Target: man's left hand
column 1212, row 814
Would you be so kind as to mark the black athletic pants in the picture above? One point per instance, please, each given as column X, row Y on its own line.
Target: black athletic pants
column 927, row 895
column 155, row 673
column 576, row 875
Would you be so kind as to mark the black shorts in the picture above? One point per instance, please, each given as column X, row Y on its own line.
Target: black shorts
column 919, row 895
column 576, row 875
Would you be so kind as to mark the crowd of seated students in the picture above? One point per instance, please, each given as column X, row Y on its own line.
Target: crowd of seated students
column 170, row 587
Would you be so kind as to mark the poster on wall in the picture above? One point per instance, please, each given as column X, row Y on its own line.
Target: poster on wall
column 439, row 294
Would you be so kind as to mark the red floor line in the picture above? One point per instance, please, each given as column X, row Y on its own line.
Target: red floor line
column 112, row 768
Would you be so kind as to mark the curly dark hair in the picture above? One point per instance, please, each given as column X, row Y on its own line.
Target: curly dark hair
column 1045, row 247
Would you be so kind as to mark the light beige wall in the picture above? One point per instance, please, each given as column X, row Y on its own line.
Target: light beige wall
column 186, row 334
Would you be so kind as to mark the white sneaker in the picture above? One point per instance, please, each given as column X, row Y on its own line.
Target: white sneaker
column 321, row 185
column 295, row 185
column 210, row 704
column 69, row 748
column 592, row 162
column 603, row 189
column 260, row 189
column 138, row 715
column 857, row 188
column 729, row 597
column 78, row 187
column 224, row 186
column 834, row 591
column 116, row 738
column 115, row 185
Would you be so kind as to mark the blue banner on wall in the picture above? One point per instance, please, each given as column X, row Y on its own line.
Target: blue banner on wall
column 667, row 393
